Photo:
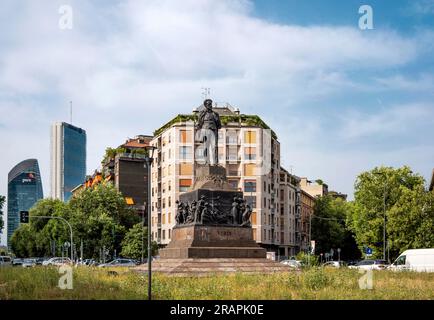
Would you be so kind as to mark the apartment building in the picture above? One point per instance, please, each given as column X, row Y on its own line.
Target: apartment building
column 306, row 210
column 290, row 214
column 249, row 151
column 315, row 189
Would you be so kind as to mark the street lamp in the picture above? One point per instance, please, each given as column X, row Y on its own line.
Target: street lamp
column 384, row 213
column 148, row 160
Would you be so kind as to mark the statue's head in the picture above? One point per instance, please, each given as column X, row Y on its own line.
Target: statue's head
column 208, row 104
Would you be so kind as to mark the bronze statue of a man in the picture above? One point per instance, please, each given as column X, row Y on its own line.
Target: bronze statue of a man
column 209, row 121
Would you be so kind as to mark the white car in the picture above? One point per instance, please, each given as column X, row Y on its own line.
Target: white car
column 57, row 261
column 421, row 260
column 370, row 265
column 292, row 263
column 27, row 263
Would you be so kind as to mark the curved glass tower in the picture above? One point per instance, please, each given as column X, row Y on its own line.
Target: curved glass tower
column 24, row 190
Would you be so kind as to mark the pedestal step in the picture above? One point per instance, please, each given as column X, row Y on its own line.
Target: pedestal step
column 207, row 267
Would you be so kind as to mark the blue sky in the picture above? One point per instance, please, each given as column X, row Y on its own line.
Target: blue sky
column 342, row 100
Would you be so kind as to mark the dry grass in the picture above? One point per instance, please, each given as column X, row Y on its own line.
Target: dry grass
column 95, row 283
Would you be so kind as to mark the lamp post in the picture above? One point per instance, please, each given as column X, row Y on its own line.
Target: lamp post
column 148, row 160
column 384, row 213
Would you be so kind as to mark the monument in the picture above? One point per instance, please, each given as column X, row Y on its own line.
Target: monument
column 212, row 219
column 213, row 233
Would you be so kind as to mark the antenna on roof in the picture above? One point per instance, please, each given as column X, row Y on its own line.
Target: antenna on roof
column 70, row 112
column 206, row 93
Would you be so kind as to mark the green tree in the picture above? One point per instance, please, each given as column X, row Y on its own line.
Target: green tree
column 23, row 242
column 329, row 229
column 409, row 214
column 2, row 202
column 99, row 218
column 132, row 243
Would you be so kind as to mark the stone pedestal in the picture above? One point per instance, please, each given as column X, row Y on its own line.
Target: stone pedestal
column 208, row 241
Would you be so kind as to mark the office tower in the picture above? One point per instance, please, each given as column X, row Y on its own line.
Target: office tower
column 68, row 159
column 24, row 190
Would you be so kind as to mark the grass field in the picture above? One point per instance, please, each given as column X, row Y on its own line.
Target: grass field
column 95, row 283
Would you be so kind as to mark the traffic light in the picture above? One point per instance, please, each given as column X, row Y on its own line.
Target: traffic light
column 24, row 216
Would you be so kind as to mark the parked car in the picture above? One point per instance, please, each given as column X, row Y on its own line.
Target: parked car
column 421, row 260
column 57, row 261
column 371, row 265
column 30, row 262
column 5, row 261
column 87, row 262
column 119, row 263
column 17, row 262
column 295, row 264
column 334, row 264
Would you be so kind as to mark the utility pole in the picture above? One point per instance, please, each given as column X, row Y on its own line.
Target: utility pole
column 384, row 211
column 143, row 230
column 149, row 159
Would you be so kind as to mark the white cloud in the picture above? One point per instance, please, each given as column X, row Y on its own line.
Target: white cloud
column 395, row 120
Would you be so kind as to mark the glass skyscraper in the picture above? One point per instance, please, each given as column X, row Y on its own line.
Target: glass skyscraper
column 68, row 159
column 24, row 190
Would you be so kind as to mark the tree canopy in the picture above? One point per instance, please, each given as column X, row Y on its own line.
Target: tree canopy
column 99, row 217
column 329, row 229
column 409, row 210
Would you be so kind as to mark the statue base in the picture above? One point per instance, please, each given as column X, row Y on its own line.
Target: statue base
column 212, row 241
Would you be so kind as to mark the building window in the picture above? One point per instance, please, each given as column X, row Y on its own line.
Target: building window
column 185, row 153
column 169, row 220
column 253, row 218
column 184, row 136
column 249, row 169
column 170, row 235
column 164, row 234
column 185, row 169
column 232, row 153
column 250, row 186
column 233, row 183
column 250, row 136
column 164, row 219
column 232, row 170
column 184, row 185
column 231, row 137
column 249, row 153
column 170, row 202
